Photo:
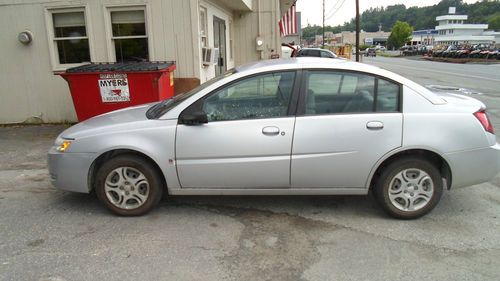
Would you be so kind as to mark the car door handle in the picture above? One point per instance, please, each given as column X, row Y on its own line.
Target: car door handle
column 374, row 125
column 270, row 131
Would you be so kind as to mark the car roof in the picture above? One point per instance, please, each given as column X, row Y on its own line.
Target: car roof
column 301, row 62
column 309, row 48
column 327, row 63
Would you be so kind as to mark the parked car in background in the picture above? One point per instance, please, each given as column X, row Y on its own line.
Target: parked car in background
column 296, row 126
column 380, row 48
column 316, row 52
column 370, row 52
column 478, row 51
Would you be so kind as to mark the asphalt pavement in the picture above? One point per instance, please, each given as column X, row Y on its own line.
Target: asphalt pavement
column 46, row 234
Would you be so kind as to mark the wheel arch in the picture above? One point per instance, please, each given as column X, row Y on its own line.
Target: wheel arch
column 434, row 157
column 103, row 157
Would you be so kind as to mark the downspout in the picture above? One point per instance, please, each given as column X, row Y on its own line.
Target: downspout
column 258, row 14
column 259, row 27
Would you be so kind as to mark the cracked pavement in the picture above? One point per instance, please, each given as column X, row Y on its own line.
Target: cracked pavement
column 46, row 234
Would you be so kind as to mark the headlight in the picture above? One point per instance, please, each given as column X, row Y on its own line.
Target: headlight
column 63, row 144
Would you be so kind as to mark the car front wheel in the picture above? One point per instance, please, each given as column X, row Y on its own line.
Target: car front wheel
column 128, row 185
column 409, row 188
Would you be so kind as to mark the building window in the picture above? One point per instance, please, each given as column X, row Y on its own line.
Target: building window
column 129, row 35
column 203, row 26
column 69, row 36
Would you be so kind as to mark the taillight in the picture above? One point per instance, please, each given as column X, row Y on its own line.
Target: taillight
column 484, row 120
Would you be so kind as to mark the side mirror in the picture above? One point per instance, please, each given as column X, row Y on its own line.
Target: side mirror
column 193, row 118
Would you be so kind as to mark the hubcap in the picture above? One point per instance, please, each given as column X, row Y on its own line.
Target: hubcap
column 126, row 188
column 411, row 190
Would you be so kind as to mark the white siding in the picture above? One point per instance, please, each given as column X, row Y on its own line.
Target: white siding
column 29, row 88
column 247, row 30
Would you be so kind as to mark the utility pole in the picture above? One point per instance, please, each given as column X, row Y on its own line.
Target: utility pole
column 323, row 24
column 357, row 29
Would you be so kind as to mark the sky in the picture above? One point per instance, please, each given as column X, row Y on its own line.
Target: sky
column 312, row 11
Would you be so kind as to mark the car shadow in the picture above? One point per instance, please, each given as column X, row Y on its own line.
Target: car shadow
column 365, row 206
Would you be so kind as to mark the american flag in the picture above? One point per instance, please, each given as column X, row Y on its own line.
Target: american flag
column 288, row 23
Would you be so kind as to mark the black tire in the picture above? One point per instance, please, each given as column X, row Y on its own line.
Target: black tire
column 426, row 195
column 150, row 185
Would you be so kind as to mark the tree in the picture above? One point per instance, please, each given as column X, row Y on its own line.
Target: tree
column 494, row 23
column 400, row 34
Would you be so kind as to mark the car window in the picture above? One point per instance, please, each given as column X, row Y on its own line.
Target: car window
column 310, row 53
column 261, row 96
column 387, row 96
column 331, row 92
column 314, row 53
column 326, row 54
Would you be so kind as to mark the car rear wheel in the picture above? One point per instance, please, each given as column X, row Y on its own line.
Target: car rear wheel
column 128, row 185
column 409, row 188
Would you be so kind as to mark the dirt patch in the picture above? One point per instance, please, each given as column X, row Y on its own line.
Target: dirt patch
column 272, row 246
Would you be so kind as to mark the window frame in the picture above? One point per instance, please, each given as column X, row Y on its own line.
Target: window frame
column 49, row 12
column 110, row 43
column 301, row 107
column 292, row 104
column 231, row 40
column 203, row 37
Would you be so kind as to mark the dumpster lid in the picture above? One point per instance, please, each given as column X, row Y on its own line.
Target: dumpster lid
column 121, row 66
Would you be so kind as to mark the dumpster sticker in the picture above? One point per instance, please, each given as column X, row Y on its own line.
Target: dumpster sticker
column 114, row 87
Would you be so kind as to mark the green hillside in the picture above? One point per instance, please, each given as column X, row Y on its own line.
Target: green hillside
column 485, row 11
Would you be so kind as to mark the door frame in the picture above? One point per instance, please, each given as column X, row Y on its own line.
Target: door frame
column 220, row 69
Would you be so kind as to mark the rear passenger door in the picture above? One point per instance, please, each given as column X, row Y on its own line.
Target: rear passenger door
column 346, row 121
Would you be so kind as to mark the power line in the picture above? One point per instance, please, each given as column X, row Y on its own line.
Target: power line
column 338, row 9
column 333, row 8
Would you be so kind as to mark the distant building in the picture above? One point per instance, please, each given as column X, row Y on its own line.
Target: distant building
column 369, row 38
column 424, row 37
column 453, row 29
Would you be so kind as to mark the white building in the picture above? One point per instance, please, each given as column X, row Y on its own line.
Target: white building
column 453, row 29
column 69, row 33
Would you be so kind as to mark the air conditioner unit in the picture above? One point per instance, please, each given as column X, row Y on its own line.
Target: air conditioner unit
column 209, row 55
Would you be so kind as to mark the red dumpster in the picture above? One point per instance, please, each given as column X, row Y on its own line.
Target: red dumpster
column 98, row 88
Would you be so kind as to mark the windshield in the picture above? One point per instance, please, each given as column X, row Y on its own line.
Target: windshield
column 159, row 109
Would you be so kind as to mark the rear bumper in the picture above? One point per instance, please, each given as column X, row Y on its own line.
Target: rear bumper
column 474, row 166
column 69, row 171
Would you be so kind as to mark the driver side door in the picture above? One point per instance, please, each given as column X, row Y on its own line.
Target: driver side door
column 247, row 140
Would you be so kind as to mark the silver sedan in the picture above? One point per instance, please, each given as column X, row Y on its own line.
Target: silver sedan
column 300, row 126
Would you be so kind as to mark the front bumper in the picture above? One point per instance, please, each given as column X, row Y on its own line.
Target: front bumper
column 474, row 166
column 70, row 171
